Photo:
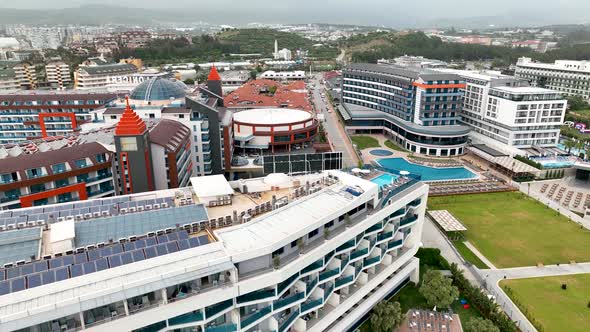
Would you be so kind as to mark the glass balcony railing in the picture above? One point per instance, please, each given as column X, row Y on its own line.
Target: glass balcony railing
column 371, row 261
column 344, row 281
column 408, row 221
column 314, row 266
column 191, row 317
column 328, row 274
column 96, row 178
column 311, row 305
column 256, row 296
column 374, row 228
column 346, row 245
column 258, row 315
column 344, row 262
column 101, row 191
column 394, row 244
column 328, row 291
column 358, row 270
column 283, row 285
column 416, row 202
column 358, row 253
column 292, row 317
column 310, row 285
column 384, row 236
column 213, row 310
column 328, row 257
column 398, row 213
column 222, row 328
column 8, row 199
column 278, row 304
column 372, row 244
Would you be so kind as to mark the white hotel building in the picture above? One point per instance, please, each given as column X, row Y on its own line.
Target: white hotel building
column 507, row 114
column 204, row 258
column 567, row 76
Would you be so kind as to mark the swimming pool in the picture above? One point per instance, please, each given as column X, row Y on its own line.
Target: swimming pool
column 427, row 173
column 381, row 152
column 384, row 179
column 555, row 163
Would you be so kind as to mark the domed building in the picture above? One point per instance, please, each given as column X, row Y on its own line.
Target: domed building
column 158, row 90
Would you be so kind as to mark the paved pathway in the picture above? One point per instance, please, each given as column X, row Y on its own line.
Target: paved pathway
column 479, row 254
column 493, row 277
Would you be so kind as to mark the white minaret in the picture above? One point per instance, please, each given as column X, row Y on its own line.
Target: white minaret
column 276, row 53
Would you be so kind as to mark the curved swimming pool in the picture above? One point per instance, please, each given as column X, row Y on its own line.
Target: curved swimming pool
column 381, row 152
column 427, row 173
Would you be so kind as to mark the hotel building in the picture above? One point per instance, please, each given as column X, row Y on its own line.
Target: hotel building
column 308, row 253
column 102, row 76
column 572, row 78
column 58, row 74
column 419, row 108
column 27, row 115
column 506, row 113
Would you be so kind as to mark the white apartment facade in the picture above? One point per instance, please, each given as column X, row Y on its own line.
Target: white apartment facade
column 58, row 74
column 271, row 270
column 566, row 76
column 26, row 74
column 104, row 76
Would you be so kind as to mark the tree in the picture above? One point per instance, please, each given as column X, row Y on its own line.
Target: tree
column 386, row 317
column 347, row 220
column 276, row 261
column 253, row 74
column 437, row 289
column 326, row 233
column 272, row 90
column 569, row 144
column 300, row 244
column 477, row 324
column 577, row 103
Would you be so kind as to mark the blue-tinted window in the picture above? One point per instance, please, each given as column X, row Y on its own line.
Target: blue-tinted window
column 58, row 168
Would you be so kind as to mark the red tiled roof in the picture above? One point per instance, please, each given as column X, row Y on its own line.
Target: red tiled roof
column 213, row 75
column 130, row 123
column 292, row 95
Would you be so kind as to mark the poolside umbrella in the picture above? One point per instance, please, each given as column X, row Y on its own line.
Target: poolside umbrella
column 356, row 170
column 365, row 171
column 404, row 173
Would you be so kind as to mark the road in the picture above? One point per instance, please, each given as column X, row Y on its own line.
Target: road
column 493, row 277
column 332, row 125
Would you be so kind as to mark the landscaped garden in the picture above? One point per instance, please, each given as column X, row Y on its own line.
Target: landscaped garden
column 365, row 142
column 554, row 303
column 512, row 230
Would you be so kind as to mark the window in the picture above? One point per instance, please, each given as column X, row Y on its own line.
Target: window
column 128, row 143
column 278, row 252
column 81, row 163
column 34, row 172
column 329, row 224
column 294, row 244
column 101, row 157
column 58, row 168
column 312, row 233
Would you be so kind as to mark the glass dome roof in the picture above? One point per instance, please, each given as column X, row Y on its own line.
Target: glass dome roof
column 157, row 89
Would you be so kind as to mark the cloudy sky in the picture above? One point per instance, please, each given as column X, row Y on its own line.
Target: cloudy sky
column 374, row 12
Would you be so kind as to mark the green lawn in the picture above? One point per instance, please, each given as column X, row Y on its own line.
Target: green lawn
column 394, row 146
column 365, row 142
column 554, row 308
column 513, row 230
column 469, row 256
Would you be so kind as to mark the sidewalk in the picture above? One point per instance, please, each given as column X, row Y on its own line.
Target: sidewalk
column 479, row 254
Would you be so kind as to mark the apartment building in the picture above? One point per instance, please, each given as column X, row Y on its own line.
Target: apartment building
column 571, row 78
column 419, row 108
column 58, row 74
column 26, row 74
column 27, row 115
column 311, row 253
column 101, row 76
column 8, row 80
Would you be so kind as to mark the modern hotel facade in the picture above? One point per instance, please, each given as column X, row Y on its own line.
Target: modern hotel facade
column 572, row 78
column 329, row 241
column 419, row 108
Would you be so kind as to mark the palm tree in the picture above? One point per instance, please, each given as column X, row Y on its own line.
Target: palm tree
column 587, row 154
column 580, row 144
column 386, row 317
column 569, row 144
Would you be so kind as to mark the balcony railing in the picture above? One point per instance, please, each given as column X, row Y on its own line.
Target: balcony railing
column 310, row 285
column 344, row 281
column 328, row 257
column 311, row 305
column 283, row 285
column 222, row 328
column 191, row 317
column 328, row 274
column 371, row 261
column 258, row 315
column 217, row 308
column 328, row 291
column 346, row 245
column 344, row 262
column 314, row 266
column 374, row 228
column 9, row 199
column 408, row 221
column 384, row 236
column 416, row 202
column 256, row 296
column 358, row 253
column 285, row 325
column 96, row 178
column 394, row 244
column 287, row 300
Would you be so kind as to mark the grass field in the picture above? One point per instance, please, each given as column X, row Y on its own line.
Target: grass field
column 554, row 308
column 394, row 146
column 513, row 230
column 365, row 142
column 469, row 256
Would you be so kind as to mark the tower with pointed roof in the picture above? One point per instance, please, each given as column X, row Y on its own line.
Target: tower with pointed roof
column 134, row 162
column 214, row 82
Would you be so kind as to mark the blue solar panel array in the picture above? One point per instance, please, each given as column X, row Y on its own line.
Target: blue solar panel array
column 45, row 272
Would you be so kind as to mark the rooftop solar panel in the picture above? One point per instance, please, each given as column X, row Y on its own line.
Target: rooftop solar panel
column 161, row 249
column 194, row 242
column 162, row 238
column 115, row 260
column 34, row 280
column 184, row 244
column 47, row 277
column 62, row 273
column 76, row 270
column 80, row 258
column 55, row 263
column 126, row 258
column 12, row 272
column 93, row 254
column 17, row 284
column 182, row 235
column 68, row 260
column 101, row 264
column 150, row 252
column 138, row 255
column 140, row 244
column 40, row 266
column 117, row 249
column 89, row 267
column 26, row 269
column 203, row 239
column 172, row 247
column 4, row 287
column 106, row 251
column 128, row 246
column 2, row 275
column 173, row 236
column 150, row 241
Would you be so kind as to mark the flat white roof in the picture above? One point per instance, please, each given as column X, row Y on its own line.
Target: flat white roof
column 524, row 89
column 212, row 185
column 61, row 231
column 447, row 221
column 272, row 116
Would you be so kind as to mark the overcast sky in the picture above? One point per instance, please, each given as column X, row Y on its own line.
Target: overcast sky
column 374, row 12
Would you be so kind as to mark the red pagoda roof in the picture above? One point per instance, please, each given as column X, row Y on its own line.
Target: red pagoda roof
column 213, row 75
column 130, row 124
